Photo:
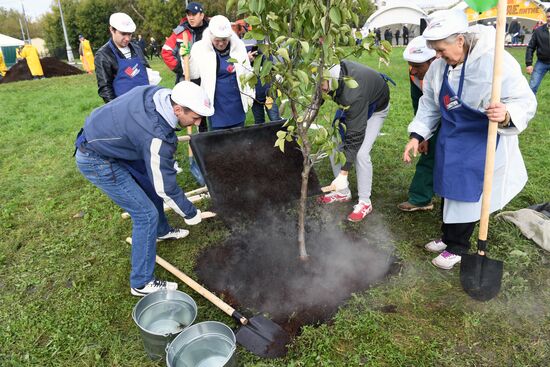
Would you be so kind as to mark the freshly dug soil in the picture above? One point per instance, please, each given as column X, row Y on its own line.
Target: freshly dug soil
column 254, row 188
column 258, row 269
column 51, row 66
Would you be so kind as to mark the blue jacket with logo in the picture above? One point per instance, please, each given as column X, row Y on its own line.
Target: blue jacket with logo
column 129, row 128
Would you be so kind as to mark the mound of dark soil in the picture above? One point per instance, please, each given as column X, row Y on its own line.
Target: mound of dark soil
column 51, row 66
column 258, row 269
column 245, row 173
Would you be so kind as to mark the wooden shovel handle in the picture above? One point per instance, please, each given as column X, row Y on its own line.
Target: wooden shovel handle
column 493, row 125
column 199, row 289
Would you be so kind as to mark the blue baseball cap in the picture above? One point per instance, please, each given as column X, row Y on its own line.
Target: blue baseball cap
column 194, row 8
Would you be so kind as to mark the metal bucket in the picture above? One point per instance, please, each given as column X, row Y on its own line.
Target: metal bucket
column 206, row 344
column 161, row 316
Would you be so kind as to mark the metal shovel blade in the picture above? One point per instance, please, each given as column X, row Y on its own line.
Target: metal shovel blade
column 480, row 276
column 196, row 171
column 263, row 337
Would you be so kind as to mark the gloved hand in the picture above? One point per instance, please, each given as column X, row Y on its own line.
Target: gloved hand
column 195, row 220
column 185, row 50
column 340, row 182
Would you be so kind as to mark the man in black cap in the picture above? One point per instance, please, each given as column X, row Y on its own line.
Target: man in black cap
column 193, row 24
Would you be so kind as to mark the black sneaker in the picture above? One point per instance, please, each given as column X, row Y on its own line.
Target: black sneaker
column 174, row 234
column 153, row 286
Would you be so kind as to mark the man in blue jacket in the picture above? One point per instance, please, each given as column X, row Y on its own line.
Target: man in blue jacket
column 126, row 149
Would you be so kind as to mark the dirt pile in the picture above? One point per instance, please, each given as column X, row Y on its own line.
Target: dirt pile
column 51, row 66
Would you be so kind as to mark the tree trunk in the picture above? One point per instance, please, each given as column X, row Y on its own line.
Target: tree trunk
column 302, row 209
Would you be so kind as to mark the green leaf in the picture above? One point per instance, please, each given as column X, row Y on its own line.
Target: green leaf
column 280, row 39
column 283, row 52
column 232, row 60
column 256, row 34
column 350, row 83
column 281, row 134
column 275, row 26
column 305, row 47
column 335, row 15
column 302, row 76
column 229, row 5
column 253, row 20
column 481, row 5
column 323, row 25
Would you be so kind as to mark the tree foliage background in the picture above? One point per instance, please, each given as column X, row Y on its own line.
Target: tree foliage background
column 9, row 24
column 154, row 18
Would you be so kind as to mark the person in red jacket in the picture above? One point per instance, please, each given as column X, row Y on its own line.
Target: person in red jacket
column 193, row 25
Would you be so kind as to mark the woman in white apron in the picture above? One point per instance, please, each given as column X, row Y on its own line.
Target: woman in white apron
column 457, row 92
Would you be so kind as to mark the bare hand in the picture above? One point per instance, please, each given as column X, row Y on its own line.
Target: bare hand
column 411, row 145
column 529, row 69
column 423, row 147
column 496, row 112
column 252, row 55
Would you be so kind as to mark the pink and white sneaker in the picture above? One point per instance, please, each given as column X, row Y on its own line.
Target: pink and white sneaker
column 334, row 197
column 360, row 211
column 436, row 246
column 446, row 260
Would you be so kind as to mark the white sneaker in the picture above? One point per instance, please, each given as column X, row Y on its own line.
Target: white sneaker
column 435, row 246
column 446, row 260
column 153, row 286
column 174, row 234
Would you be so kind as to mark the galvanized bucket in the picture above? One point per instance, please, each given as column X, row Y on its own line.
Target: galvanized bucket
column 206, row 344
column 161, row 316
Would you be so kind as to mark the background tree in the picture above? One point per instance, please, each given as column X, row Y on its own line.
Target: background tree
column 306, row 37
column 9, row 24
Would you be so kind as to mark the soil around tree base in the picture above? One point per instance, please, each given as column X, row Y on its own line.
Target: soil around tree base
column 257, row 270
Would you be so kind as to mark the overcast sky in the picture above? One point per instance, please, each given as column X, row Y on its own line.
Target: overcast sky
column 33, row 8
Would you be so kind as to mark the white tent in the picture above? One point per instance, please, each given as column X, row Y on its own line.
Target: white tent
column 6, row 41
column 402, row 12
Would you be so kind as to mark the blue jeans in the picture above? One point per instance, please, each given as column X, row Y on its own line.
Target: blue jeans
column 147, row 213
column 259, row 115
column 539, row 71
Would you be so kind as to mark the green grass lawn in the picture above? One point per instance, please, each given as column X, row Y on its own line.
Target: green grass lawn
column 64, row 265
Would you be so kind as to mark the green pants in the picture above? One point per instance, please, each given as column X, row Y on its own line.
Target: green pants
column 421, row 190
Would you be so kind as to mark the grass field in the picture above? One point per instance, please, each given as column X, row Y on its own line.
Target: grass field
column 64, row 265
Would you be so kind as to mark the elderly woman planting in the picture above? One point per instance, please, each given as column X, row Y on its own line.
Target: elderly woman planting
column 457, row 91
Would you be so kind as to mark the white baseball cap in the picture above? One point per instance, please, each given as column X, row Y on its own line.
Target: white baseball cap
column 417, row 51
column 122, row 22
column 190, row 95
column 220, row 26
column 444, row 23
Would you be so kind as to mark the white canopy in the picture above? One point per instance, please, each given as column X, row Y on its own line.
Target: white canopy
column 9, row 41
column 395, row 13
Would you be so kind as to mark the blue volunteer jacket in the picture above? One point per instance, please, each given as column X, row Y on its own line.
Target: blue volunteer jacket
column 129, row 128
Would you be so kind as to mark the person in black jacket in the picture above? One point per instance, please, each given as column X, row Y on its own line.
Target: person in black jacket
column 540, row 41
column 120, row 65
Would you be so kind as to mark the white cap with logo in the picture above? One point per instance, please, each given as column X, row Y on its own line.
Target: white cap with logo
column 220, row 26
column 417, row 51
column 122, row 22
column 192, row 96
column 444, row 23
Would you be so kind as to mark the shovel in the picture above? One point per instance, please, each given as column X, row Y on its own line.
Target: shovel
column 193, row 166
column 257, row 334
column 480, row 276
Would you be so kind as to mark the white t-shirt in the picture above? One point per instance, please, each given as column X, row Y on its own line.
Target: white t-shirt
column 125, row 51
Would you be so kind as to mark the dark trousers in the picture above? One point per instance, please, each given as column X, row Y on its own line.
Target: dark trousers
column 421, row 190
column 456, row 235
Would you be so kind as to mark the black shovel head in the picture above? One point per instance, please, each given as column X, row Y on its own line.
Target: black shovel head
column 263, row 337
column 480, row 276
